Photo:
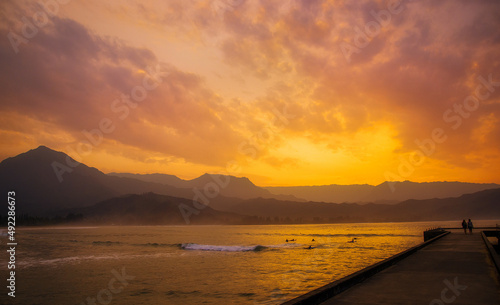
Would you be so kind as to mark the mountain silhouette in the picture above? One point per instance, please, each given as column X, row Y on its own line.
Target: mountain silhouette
column 480, row 205
column 223, row 185
column 154, row 209
column 41, row 191
column 49, row 183
column 386, row 192
column 155, row 178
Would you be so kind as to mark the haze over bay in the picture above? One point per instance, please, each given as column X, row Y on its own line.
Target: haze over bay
column 240, row 151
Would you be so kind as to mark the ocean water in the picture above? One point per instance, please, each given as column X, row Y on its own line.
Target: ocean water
column 196, row 264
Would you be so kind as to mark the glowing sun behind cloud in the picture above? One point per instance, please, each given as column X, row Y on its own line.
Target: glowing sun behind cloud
column 260, row 86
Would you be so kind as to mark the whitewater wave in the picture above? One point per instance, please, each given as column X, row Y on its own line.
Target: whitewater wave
column 199, row 247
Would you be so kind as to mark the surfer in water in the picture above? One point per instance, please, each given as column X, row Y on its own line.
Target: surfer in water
column 353, row 240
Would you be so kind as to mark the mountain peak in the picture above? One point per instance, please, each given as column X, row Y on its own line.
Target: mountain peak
column 206, row 177
column 36, row 156
column 43, row 148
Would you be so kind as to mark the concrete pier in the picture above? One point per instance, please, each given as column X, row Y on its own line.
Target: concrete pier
column 455, row 268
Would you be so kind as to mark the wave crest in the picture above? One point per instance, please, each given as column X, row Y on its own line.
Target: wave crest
column 199, row 247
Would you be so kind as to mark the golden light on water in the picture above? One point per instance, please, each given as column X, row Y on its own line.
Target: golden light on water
column 164, row 268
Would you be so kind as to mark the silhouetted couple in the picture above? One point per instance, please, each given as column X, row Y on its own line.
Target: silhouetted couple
column 466, row 225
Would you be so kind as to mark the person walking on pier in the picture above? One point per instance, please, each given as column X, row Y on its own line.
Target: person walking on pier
column 469, row 224
column 464, row 225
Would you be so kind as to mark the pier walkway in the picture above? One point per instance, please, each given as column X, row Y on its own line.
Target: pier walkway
column 454, row 269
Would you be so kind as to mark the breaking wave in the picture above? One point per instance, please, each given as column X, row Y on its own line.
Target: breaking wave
column 199, row 247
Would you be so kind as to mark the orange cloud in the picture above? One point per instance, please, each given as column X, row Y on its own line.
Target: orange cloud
column 227, row 67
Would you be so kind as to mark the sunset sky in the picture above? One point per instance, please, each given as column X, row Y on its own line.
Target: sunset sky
column 290, row 92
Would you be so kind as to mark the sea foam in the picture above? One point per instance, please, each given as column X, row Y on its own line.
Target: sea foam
column 199, row 247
